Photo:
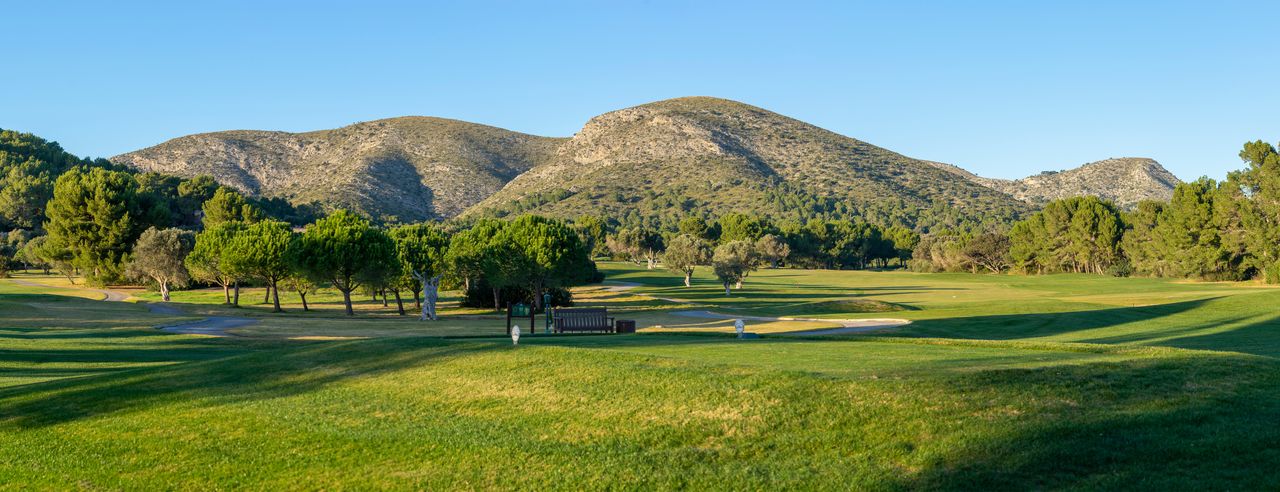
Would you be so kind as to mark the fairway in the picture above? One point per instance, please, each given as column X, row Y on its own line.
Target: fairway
column 998, row 382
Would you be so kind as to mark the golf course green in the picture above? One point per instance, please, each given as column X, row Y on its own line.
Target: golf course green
column 998, row 382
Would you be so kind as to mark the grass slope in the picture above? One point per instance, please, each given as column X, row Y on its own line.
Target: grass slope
column 1041, row 383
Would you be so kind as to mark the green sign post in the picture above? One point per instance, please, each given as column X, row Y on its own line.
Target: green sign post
column 519, row 310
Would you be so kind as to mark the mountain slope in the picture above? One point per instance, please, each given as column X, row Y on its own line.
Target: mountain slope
column 413, row 168
column 707, row 155
column 1125, row 181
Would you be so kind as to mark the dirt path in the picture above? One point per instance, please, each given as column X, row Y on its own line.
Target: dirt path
column 107, row 295
column 216, row 326
column 213, row 326
column 847, row 326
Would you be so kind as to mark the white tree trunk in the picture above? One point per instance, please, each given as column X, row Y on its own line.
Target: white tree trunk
column 430, row 293
column 164, row 290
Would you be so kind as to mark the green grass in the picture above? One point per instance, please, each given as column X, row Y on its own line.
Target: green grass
column 1074, row 382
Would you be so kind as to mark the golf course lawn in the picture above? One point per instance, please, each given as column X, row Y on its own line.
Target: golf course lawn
column 999, row 382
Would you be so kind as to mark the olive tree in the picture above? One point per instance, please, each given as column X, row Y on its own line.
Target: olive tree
column 772, row 249
column 158, row 257
column 732, row 262
column 684, row 253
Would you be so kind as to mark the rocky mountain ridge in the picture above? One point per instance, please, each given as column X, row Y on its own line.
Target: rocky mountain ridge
column 654, row 162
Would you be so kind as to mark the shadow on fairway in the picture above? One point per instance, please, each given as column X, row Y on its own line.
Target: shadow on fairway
column 1149, row 424
column 212, row 370
column 1031, row 325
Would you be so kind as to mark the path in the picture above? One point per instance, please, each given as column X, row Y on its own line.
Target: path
column 107, row 295
column 847, row 326
column 213, row 326
column 216, row 326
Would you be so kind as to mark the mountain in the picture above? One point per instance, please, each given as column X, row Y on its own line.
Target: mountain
column 1125, row 181
column 413, row 168
column 652, row 163
column 711, row 156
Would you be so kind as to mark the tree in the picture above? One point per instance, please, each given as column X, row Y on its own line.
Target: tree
column 29, row 254
column 772, row 249
column 904, row 241
column 53, row 253
column 300, row 285
column 227, row 205
column 638, row 244
column 693, row 226
column 343, row 249
column 421, row 249
column 480, row 253
column 93, row 214
column 262, row 250
column 741, row 227
column 207, row 259
column 28, row 167
column 732, row 262
column 1078, row 234
column 594, row 232
column 158, row 257
column 989, row 250
column 550, row 254
column 684, row 253
column 22, row 199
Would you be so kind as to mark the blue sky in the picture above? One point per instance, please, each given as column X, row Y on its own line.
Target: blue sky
column 1004, row 89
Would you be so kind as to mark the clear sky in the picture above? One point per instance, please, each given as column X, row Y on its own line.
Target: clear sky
column 1004, row 89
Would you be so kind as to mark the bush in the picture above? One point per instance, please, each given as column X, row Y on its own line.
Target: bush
column 481, row 296
column 1120, row 268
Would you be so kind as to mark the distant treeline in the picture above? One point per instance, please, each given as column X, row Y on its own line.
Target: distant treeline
column 1228, row 230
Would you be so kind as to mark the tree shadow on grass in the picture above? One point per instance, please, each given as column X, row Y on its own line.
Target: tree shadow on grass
column 208, row 373
column 1193, row 422
column 1032, row 325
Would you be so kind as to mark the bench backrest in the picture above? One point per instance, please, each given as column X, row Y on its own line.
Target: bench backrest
column 581, row 318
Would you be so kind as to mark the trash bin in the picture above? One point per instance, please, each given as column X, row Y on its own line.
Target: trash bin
column 624, row 326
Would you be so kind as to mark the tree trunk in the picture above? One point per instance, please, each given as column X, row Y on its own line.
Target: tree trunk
column 417, row 302
column 346, row 299
column 236, row 302
column 497, row 292
column 226, row 293
column 738, row 284
column 384, row 297
column 275, row 297
column 399, row 303
column 164, row 291
column 303, row 295
column 726, row 289
column 430, row 294
column 688, row 278
column 267, row 298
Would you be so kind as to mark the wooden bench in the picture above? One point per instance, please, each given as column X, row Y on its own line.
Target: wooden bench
column 583, row 319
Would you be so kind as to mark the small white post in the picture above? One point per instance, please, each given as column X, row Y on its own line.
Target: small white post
column 739, row 327
column 515, row 334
